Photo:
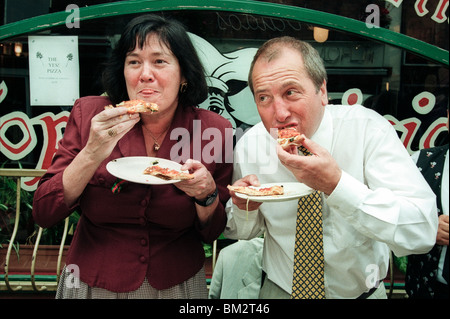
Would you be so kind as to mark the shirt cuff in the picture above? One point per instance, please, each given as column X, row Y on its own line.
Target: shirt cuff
column 348, row 195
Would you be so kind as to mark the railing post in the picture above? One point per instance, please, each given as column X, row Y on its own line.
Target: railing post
column 13, row 237
column 18, row 174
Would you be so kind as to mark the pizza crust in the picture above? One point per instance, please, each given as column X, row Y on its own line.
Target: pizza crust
column 289, row 136
column 167, row 173
column 266, row 191
column 137, row 106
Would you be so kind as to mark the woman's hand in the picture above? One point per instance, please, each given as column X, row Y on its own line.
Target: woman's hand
column 107, row 128
column 201, row 185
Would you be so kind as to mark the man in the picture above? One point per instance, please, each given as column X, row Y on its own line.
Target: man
column 373, row 197
column 427, row 274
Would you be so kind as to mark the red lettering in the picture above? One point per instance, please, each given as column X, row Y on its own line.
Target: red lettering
column 52, row 127
column 429, row 137
column 424, row 102
column 352, row 99
column 407, row 127
column 28, row 142
column 439, row 15
column 421, row 10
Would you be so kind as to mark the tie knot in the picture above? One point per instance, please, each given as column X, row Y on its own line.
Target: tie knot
column 304, row 150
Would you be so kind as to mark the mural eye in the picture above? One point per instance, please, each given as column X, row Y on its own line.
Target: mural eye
column 215, row 109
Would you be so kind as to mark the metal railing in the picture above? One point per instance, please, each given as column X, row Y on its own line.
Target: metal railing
column 18, row 174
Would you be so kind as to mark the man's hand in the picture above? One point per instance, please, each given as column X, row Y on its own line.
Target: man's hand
column 249, row 180
column 442, row 233
column 319, row 171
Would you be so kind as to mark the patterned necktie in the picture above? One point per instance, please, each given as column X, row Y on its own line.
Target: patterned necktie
column 308, row 276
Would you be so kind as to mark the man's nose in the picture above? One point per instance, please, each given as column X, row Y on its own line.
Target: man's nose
column 281, row 110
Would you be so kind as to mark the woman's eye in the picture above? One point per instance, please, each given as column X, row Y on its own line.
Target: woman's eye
column 132, row 62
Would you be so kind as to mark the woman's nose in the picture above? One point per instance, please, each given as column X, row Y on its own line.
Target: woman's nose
column 146, row 74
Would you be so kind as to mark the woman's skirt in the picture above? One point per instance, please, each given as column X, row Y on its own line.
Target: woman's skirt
column 193, row 288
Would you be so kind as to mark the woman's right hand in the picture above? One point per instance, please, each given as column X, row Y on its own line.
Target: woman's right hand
column 107, row 128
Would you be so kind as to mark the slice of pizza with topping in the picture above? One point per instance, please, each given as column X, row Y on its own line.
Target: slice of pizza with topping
column 290, row 136
column 258, row 191
column 137, row 106
column 167, row 173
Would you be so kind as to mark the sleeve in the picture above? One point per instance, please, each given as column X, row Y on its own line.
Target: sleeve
column 242, row 224
column 215, row 226
column 49, row 206
column 215, row 287
column 222, row 176
column 394, row 204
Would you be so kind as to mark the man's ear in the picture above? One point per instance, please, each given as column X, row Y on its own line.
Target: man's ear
column 324, row 93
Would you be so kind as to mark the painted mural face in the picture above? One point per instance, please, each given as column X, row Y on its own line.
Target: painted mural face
column 226, row 75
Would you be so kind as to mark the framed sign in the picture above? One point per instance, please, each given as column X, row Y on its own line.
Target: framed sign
column 54, row 70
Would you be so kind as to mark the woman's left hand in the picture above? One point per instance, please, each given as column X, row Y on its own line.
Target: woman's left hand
column 203, row 183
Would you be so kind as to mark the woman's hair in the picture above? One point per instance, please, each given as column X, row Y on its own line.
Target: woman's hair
column 173, row 34
column 312, row 61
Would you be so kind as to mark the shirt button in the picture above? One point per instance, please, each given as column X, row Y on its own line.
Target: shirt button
column 142, row 259
column 143, row 242
column 144, row 203
column 142, row 221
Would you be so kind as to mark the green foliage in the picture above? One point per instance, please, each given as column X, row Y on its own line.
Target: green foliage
column 27, row 230
column 8, row 196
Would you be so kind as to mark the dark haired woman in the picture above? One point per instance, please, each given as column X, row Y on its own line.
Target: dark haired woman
column 146, row 240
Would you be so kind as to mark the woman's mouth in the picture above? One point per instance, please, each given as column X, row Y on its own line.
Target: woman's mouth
column 146, row 92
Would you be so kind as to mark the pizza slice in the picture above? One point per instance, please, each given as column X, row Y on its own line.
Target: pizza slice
column 137, row 106
column 290, row 136
column 167, row 173
column 260, row 191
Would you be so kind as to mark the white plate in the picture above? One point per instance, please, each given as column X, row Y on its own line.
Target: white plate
column 291, row 191
column 131, row 169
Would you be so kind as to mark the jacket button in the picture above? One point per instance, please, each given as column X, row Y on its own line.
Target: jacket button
column 144, row 203
column 142, row 221
column 143, row 242
column 142, row 259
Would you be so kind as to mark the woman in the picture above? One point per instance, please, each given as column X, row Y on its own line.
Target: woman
column 144, row 240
